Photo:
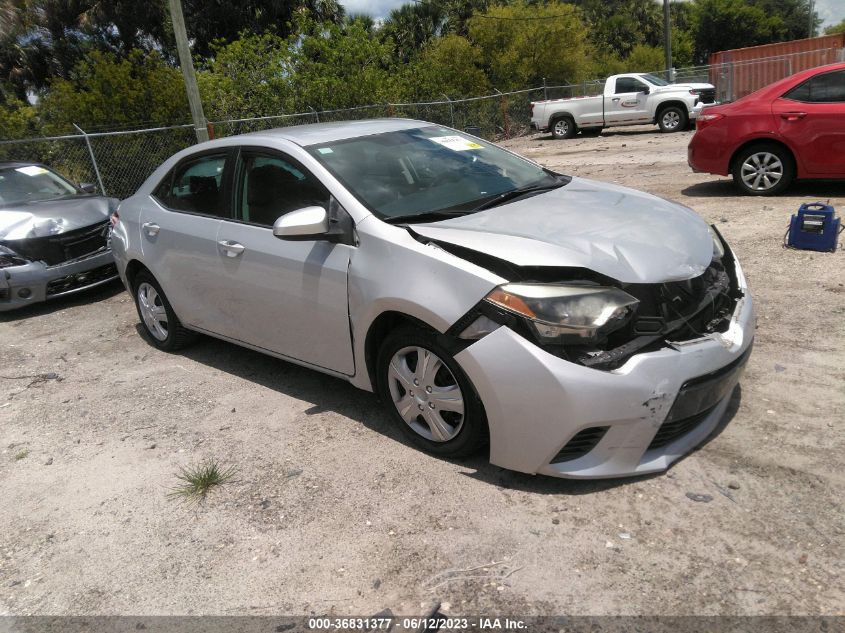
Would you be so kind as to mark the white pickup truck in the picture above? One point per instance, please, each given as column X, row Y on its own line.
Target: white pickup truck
column 629, row 99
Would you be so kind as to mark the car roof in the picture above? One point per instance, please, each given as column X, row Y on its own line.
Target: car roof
column 318, row 133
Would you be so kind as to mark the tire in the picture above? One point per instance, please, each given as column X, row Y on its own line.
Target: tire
column 412, row 355
column 162, row 326
column 590, row 131
column 765, row 169
column 563, row 127
column 672, row 119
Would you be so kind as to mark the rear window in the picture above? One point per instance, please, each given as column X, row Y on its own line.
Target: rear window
column 196, row 186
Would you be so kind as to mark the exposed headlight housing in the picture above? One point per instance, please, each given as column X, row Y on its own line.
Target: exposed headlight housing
column 568, row 313
column 8, row 258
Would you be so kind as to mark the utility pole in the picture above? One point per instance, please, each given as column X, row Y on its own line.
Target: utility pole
column 187, row 64
column 811, row 28
column 667, row 40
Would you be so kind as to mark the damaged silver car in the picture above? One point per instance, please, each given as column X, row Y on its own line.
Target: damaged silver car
column 579, row 329
column 53, row 236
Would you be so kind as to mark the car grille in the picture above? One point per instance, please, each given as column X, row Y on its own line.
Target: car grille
column 4, row 294
column 581, row 443
column 696, row 400
column 80, row 280
column 707, row 96
column 64, row 247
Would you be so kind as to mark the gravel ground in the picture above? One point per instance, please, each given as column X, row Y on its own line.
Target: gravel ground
column 331, row 512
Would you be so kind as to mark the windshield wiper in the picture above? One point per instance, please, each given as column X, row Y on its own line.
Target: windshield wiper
column 517, row 193
column 425, row 216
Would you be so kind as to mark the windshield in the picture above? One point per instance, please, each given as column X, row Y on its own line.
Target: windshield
column 31, row 183
column 655, row 80
column 426, row 170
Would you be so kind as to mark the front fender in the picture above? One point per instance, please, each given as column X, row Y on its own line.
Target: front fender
column 391, row 271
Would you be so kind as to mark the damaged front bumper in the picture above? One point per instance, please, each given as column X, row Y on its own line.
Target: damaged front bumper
column 550, row 416
column 35, row 282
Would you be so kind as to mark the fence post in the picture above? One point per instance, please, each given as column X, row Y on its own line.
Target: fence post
column 316, row 115
column 93, row 158
column 545, row 90
column 451, row 109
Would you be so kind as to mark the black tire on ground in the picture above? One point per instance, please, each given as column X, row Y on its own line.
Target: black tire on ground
column 763, row 169
column 563, row 127
column 590, row 131
column 473, row 433
column 176, row 335
column 672, row 119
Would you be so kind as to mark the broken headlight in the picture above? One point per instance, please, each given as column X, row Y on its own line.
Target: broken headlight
column 718, row 247
column 561, row 313
column 10, row 258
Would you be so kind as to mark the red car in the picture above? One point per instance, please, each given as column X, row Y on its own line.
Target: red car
column 791, row 129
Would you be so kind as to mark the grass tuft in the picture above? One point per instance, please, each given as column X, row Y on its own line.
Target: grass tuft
column 198, row 479
column 19, row 456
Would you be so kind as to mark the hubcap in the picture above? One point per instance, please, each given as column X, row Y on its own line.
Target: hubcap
column 152, row 311
column 426, row 394
column 671, row 120
column 562, row 127
column 762, row 171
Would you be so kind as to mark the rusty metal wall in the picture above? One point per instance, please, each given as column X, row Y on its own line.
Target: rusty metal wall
column 741, row 71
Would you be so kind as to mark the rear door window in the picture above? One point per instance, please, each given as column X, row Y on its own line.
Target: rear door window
column 825, row 88
column 196, row 186
column 629, row 84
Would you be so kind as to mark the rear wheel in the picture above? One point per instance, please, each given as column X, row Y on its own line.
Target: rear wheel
column 160, row 322
column 672, row 119
column 428, row 395
column 763, row 170
column 563, row 127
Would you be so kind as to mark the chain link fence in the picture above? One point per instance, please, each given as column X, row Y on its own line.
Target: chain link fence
column 119, row 162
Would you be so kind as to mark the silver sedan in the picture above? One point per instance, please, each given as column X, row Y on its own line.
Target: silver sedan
column 578, row 329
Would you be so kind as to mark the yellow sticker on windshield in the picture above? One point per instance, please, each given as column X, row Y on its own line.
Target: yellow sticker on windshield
column 31, row 170
column 456, row 143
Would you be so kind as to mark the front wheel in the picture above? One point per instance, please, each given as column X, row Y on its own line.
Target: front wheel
column 672, row 119
column 763, row 170
column 563, row 127
column 428, row 395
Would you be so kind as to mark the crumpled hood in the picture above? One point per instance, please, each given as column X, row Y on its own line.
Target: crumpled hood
column 51, row 217
column 628, row 235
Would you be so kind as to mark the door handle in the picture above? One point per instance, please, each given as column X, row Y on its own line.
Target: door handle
column 233, row 249
column 151, row 228
column 616, row 99
column 792, row 116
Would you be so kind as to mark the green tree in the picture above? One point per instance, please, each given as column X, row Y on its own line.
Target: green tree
column 411, row 26
column 448, row 65
column 104, row 90
column 835, row 28
column 521, row 44
column 724, row 24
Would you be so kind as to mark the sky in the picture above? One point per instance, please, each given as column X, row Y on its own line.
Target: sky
column 830, row 11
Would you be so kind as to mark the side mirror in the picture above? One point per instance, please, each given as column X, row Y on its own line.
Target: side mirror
column 646, row 90
column 88, row 187
column 303, row 224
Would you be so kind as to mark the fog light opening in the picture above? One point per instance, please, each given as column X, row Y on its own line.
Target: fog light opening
column 24, row 293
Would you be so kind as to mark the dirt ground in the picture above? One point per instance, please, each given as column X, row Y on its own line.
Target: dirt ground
column 331, row 512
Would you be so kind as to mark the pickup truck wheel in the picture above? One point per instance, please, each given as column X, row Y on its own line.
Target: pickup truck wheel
column 763, row 170
column 563, row 127
column 672, row 119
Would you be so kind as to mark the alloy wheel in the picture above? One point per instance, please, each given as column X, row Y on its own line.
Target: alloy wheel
column 561, row 127
column 671, row 120
column 426, row 394
column 761, row 171
column 152, row 311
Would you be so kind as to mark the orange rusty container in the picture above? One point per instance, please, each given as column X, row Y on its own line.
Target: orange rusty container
column 741, row 71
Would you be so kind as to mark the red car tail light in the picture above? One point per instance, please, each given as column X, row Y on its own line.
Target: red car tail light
column 704, row 119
